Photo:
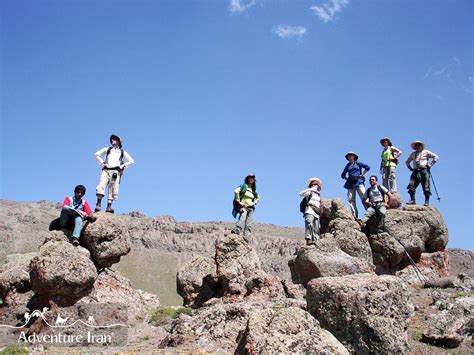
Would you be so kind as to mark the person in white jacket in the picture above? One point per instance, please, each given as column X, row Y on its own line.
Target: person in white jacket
column 113, row 161
column 313, row 210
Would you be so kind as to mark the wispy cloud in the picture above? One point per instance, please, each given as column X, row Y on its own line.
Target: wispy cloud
column 328, row 10
column 452, row 73
column 285, row 31
column 239, row 6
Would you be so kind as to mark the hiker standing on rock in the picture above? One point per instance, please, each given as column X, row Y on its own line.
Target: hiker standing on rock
column 78, row 209
column 420, row 171
column 113, row 161
column 388, row 164
column 245, row 199
column 313, row 209
column 375, row 196
column 354, row 180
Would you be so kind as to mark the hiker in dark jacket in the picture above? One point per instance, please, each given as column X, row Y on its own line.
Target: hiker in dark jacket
column 313, row 210
column 77, row 209
column 113, row 161
column 374, row 198
column 245, row 199
column 354, row 176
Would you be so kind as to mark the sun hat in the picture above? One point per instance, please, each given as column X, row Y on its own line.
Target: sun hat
column 352, row 153
column 386, row 139
column 417, row 142
column 316, row 180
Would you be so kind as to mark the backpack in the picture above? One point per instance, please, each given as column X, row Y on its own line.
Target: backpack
column 384, row 195
column 235, row 203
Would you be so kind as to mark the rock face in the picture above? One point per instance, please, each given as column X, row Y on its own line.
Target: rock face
column 450, row 327
column 107, row 239
column 367, row 313
column 196, row 282
column 111, row 287
column 62, row 271
column 237, row 265
column 325, row 259
column 288, row 330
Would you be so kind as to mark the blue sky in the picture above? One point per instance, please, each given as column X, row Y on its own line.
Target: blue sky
column 204, row 92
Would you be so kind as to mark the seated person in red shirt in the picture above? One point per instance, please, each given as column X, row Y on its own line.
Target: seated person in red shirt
column 78, row 209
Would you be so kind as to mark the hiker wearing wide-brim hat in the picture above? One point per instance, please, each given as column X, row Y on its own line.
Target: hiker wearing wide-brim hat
column 312, row 208
column 388, row 164
column 245, row 200
column 423, row 160
column 113, row 161
column 353, row 173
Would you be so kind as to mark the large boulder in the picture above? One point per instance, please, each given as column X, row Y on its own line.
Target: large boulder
column 107, row 239
column 323, row 260
column 238, row 266
column 62, row 271
column 111, row 287
column 450, row 327
column 196, row 281
column 287, row 330
column 15, row 274
column 429, row 266
column 366, row 312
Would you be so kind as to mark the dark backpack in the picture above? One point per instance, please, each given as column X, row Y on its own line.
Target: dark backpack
column 304, row 203
column 380, row 190
column 235, row 203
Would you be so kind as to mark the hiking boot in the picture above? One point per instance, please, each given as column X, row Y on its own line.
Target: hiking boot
column 411, row 202
column 308, row 241
column 246, row 238
column 97, row 207
column 235, row 231
column 75, row 242
column 427, row 202
column 109, row 210
column 380, row 231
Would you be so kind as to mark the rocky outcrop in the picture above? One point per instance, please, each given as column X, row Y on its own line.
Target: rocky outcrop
column 111, row 287
column 61, row 271
column 429, row 266
column 238, row 267
column 196, row 282
column 367, row 313
column 325, row 259
column 288, row 330
column 107, row 239
column 461, row 261
column 453, row 325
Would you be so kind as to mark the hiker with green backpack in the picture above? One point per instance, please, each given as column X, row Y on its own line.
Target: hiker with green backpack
column 245, row 199
column 113, row 161
column 388, row 164
column 312, row 208
column 353, row 173
column 374, row 198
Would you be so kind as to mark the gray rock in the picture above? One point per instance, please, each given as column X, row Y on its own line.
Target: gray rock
column 323, row 260
column 367, row 313
column 428, row 266
column 62, row 270
column 196, row 281
column 288, row 330
column 237, row 265
column 450, row 327
column 107, row 239
column 111, row 287
column 15, row 275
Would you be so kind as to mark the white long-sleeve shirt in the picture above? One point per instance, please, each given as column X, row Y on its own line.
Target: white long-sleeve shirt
column 314, row 202
column 113, row 159
column 420, row 160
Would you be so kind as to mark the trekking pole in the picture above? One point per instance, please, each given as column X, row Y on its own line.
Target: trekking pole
column 417, row 271
column 434, row 185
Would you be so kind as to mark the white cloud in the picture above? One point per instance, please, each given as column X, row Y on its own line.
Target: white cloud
column 451, row 73
column 285, row 31
column 329, row 9
column 239, row 6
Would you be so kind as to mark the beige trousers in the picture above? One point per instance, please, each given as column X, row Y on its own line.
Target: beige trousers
column 106, row 178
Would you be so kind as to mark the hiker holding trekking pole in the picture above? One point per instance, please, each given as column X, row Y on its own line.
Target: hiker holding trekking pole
column 420, row 171
column 312, row 209
column 245, row 199
column 113, row 161
column 355, row 171
column 375, row 195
